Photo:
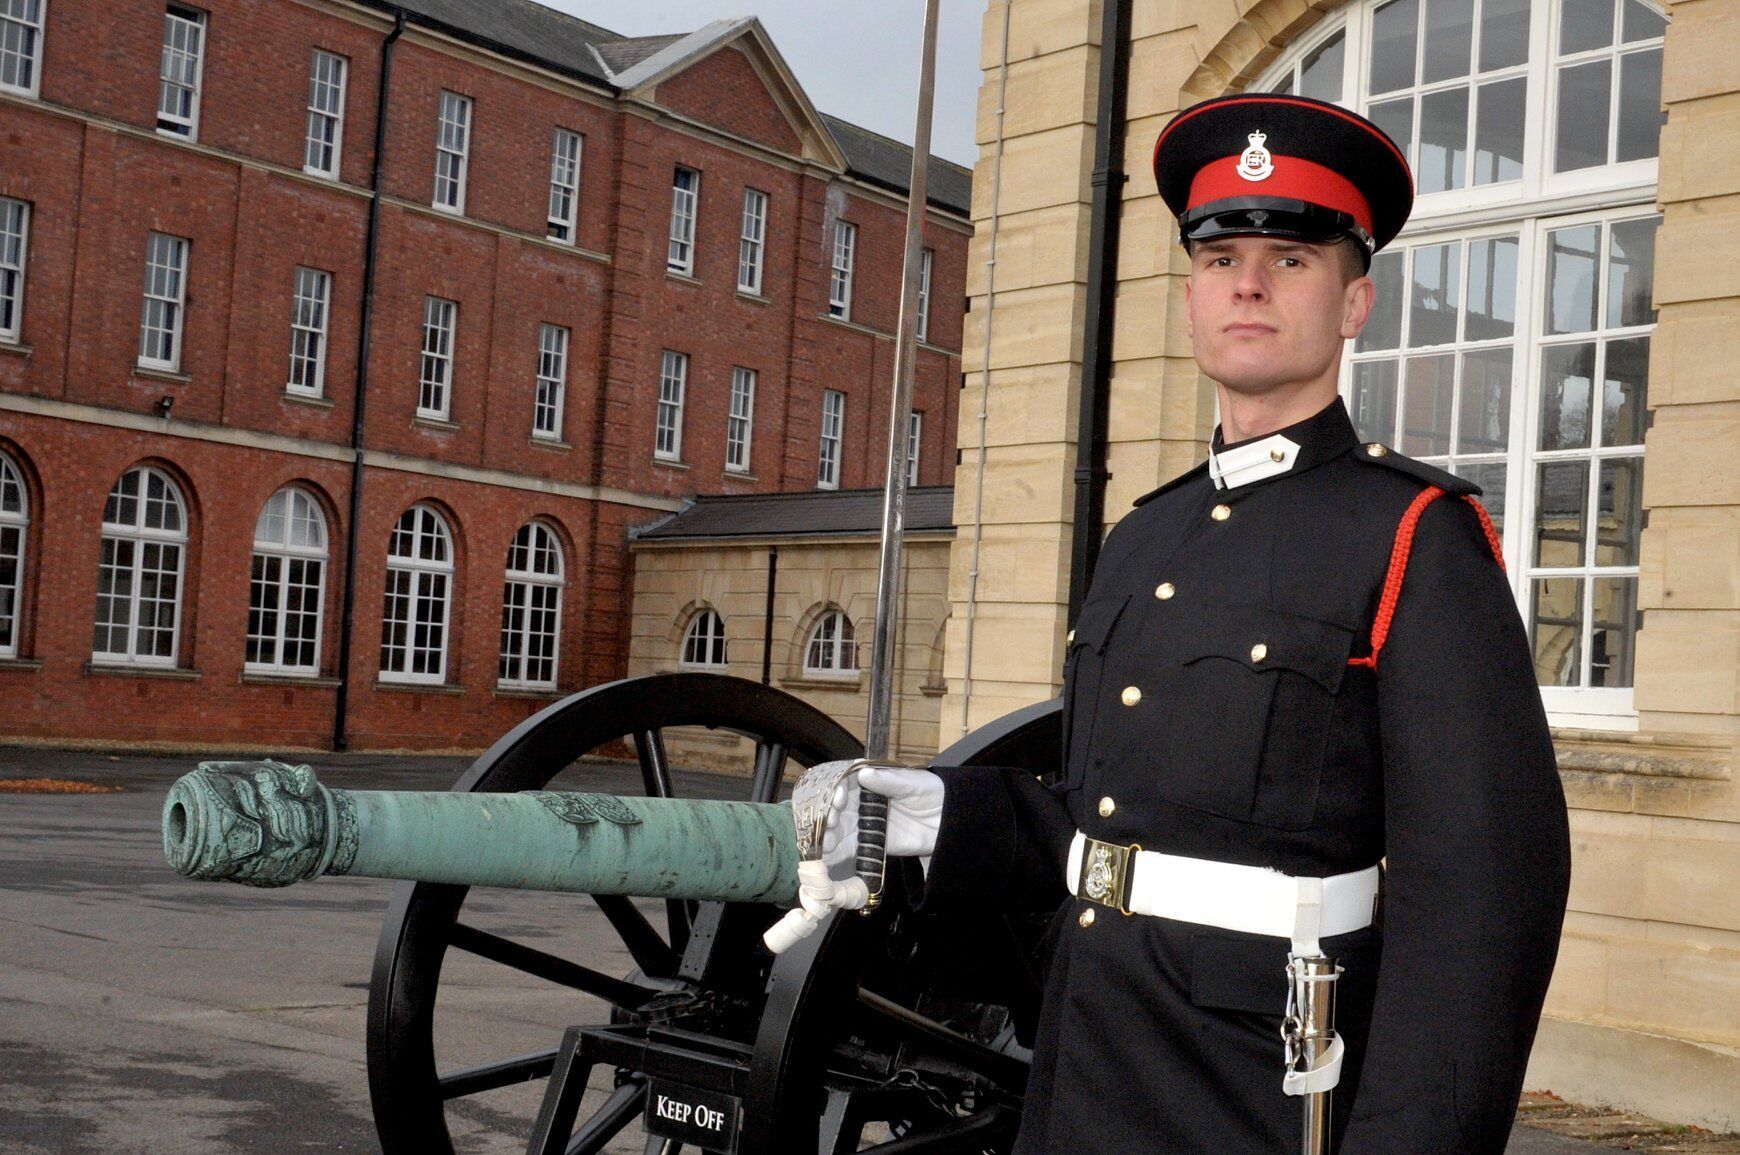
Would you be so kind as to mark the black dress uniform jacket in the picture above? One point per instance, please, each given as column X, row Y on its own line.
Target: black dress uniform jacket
column 1181, row 734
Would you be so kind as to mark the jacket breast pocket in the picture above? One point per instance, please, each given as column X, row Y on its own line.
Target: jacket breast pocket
column 1082, row 672
column 1243, row 730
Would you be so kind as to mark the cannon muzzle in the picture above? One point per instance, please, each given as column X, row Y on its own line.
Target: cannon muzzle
column 271, row 824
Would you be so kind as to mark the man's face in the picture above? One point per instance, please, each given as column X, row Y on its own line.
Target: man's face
column 1269, row 313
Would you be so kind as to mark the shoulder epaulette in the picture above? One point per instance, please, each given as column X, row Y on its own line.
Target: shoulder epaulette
column 1171, row 485
column 1374, row 453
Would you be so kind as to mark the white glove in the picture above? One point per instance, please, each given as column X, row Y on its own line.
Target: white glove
column 915, row 800
column 915, row 803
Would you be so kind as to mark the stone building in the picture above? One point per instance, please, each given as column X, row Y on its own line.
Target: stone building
column 577, row 279
column 1577, row 223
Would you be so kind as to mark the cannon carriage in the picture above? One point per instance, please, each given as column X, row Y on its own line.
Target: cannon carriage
column 898, row 1032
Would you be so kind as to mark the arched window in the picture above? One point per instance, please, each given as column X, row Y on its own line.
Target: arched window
column 289, row 579
column 531, row 609
column 704, row 640
column 832, row 647
column 139, row 572
column 1510, row 343
column 14, row 520
column 419, row 593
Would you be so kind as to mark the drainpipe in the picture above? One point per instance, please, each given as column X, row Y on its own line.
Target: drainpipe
column 365, row 329
column 1100, row 306
column 767, row 619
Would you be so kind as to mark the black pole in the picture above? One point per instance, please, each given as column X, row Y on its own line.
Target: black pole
column 767, row 620
column 1102, row 281
column 365, row 330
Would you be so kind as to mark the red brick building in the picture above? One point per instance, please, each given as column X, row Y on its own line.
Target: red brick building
column 306, row 440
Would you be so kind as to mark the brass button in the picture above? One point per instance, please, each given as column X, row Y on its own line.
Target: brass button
column 1259, row 652
column 1220, row 512
column 1277, row 455
column 1164, row 590
column 1107, row 807
column 1069, row 638
column 1375, row 450
column 1131, row 695
column 1087, row 917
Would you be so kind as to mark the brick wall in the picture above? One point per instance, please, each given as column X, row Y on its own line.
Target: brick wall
column 76, row 410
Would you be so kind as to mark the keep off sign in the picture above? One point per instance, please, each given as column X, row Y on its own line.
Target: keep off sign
column 705, row 1118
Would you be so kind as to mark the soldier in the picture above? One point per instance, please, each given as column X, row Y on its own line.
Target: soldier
column 1301, row 659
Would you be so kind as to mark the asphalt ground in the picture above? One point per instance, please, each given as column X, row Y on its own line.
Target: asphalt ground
column 141, row 1012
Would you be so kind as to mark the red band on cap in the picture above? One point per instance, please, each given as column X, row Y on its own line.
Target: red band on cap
column 1292, row 178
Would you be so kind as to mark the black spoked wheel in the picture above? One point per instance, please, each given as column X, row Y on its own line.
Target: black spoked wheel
column 472, row 934
column 875, row 1034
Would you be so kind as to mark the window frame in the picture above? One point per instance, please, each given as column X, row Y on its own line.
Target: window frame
column 549, row 394
column 173, row 305
column 839, row 649
column 317, row 85
column 833, row 436
column 141, row 536
column 685, row 211
column 454, row 201
column 426, row 521
column 925, row 261
column 668, row 421
column 844, row 252
column 304, row 334
column 1529, row 207
column 710, row 643
column 287, row 553
column 13, row 269
column 568, row 222
column 740, row 426
column 914, row 444
column 752, row 242
column 529, row 581
column 176, row 123
column 441, row 321
column 34, row 32
column 14, row 552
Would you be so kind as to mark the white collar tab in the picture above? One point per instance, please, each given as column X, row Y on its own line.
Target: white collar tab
column 1270, row 457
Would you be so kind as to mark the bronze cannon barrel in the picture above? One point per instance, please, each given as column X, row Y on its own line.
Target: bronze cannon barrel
column 271, row 824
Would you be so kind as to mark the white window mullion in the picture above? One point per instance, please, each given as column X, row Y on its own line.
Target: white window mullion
column 833, row 434
column 565, row 155
column 325, row 132
column 435, row 382
column 840, row 271
column 452, row 152
column 673, row 383
column 551, row 382
column 14, row 247
column 161, row 314
column 20, row 45
column 740, row 421
column 310, row 303
column 179, row 74
column 685, row 198
column 14, row 528
column 752, row 243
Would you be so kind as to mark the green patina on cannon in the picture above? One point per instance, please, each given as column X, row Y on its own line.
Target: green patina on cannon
column 271, row 824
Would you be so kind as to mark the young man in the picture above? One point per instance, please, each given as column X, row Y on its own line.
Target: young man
column 1299, row 659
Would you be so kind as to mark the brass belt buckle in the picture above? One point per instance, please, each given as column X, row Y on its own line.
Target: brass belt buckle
column 1105, row 874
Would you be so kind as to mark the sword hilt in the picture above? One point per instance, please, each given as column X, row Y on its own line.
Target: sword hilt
column 871, row 864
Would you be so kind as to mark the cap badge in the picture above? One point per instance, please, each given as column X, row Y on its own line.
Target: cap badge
column 1255, row 163
column 1257, row 217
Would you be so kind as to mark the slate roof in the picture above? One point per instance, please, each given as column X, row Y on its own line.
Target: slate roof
column 529, row 31
column 884, row 161
column 837, row 513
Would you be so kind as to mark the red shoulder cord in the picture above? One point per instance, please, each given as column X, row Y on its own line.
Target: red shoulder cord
column 1380, row 628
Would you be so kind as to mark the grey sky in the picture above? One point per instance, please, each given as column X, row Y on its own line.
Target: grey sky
column 857, row 61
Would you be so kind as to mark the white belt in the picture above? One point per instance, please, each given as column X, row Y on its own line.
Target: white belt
column 1223, row 894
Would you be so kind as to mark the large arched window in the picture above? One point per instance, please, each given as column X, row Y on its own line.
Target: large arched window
column 832, row 649
column 286, row 590
column 704, row 640
column 14, row 521
column 419, row 594
column 531, row 609
column 142, row 558
column 1510, row 343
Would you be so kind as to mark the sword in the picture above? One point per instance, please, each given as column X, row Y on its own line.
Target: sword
column 872, row 860
column 812, row 800
column 1308, row 1033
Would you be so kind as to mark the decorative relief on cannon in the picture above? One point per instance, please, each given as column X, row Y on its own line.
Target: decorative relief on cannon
column 257, row 823
column 582, row 809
